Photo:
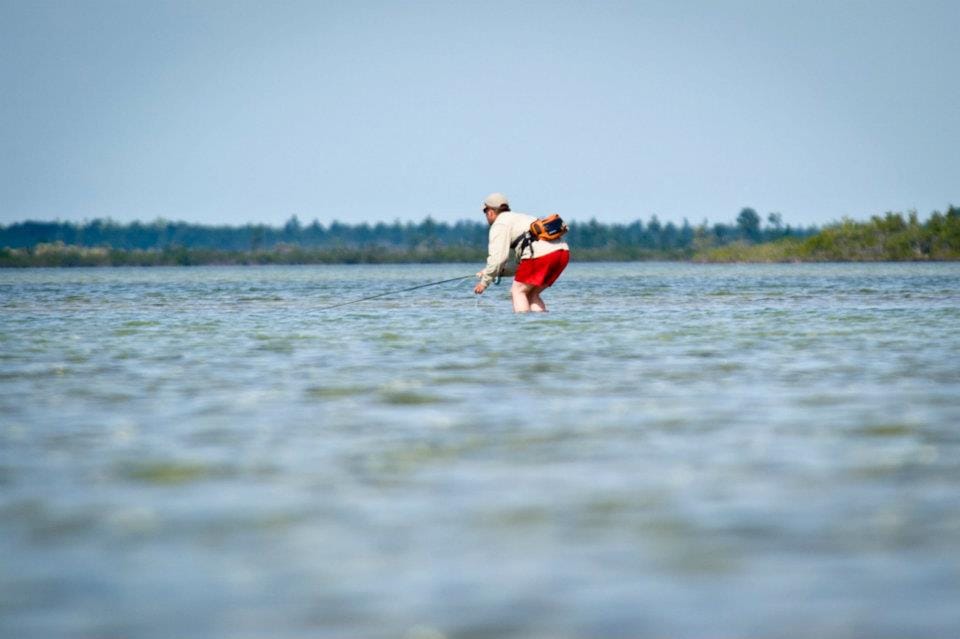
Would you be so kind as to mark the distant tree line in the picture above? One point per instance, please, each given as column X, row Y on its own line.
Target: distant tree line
column 57, row 254
column 160, row 235
column 163, row 234
column 891, row 237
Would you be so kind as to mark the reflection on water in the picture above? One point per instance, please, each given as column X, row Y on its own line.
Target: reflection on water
column 675, row 450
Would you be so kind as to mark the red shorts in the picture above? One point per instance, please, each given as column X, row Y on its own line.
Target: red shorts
column 542, row 271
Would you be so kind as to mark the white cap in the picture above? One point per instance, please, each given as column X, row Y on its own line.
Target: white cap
column 495, row 201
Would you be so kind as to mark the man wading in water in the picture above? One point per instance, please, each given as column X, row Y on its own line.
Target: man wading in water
column 541, row 260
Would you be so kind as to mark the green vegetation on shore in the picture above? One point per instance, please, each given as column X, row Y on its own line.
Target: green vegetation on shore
column 893, row 237
column 890, row 238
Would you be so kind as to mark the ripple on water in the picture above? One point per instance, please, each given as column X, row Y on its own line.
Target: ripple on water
column 281, row 346
column 457, row 380
column 336, row 392
column 409, row 397
column 885, row 430
column 172, row 472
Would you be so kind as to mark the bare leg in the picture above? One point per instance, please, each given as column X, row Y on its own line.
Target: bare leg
column 536, row 302
column 520, row 293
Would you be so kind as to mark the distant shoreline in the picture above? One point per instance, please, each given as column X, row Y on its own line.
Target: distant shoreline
column 83, row 257
column 889, row 238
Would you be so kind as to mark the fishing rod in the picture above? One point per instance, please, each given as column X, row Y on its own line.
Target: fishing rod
column 403, row 290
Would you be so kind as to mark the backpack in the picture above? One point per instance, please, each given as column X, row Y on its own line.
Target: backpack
column 548, row 228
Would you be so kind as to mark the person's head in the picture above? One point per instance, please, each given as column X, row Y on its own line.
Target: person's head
column 493, row 205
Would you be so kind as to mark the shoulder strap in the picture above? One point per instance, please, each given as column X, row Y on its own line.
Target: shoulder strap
column 522, row 243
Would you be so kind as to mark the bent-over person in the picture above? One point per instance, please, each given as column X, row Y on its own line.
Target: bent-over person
column 541, row 261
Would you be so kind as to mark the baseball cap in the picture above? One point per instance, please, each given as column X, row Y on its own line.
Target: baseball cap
column 496, row 200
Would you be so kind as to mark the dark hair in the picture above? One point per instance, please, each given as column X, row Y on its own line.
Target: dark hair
column 503, row 207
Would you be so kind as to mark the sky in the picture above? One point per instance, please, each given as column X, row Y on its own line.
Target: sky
column 235, row 112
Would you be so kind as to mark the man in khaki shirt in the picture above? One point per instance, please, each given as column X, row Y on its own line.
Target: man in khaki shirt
column 540, row 265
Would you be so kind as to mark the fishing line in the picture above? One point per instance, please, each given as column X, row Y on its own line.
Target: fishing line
column 403, row 290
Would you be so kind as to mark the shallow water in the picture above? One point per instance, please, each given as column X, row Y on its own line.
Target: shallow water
column 674, row 451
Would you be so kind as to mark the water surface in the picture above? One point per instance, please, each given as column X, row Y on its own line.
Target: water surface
column 675, row 450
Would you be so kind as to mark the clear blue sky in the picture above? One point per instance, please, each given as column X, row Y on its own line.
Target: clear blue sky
column 236, row 112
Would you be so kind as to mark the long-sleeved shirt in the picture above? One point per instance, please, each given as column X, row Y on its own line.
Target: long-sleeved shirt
column 505, row 229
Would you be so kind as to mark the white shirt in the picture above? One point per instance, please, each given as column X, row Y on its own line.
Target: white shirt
column 505, row 229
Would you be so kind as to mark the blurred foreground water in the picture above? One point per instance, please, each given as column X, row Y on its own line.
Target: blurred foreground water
column 674, row 451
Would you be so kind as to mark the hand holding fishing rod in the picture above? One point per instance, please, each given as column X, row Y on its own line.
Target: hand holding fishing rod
column 480, row 287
